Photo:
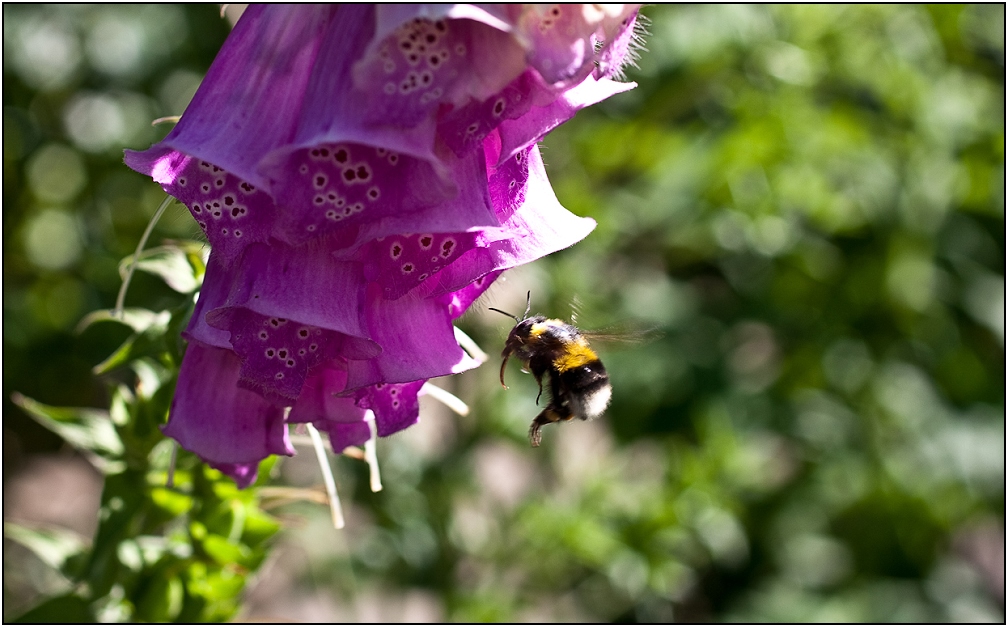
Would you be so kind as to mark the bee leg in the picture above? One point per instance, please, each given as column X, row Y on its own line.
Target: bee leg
column 535, row 436
column 545, row 417
column 538, row 371
column 506, row 355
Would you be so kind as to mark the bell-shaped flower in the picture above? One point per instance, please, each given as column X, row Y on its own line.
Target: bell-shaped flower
column 363, row 173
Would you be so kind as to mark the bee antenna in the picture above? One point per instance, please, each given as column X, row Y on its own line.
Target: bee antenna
column 528, row 304
column 505, row 313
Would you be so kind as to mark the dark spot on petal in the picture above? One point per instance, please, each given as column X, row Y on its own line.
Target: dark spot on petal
column 270, row 353
column 349, row 174
column 303, row 332
column 341, row 156
column 426, row 240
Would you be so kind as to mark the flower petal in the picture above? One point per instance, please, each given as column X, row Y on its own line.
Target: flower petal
column 395, row 405
column 243, row 474
column 263, row 66
column 231, row 212
column 464, row 128
column 562, row 37
column 618, row 50
column 339, row 416
column 219, row 421
column 290, row 310
column 460, row 300
column 408, row 72
column 517, row 134
column 213, row 294
column 536, row 221
column 358, row 193
column 400, row 263
column 417, row 340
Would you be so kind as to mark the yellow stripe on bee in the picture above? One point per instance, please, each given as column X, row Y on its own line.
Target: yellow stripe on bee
column 539, row 328
column 574, row 356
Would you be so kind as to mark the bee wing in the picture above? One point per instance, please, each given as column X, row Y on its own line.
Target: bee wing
column 623, row 335
column 576, row 307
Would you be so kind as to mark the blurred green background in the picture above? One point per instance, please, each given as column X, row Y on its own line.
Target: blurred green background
column 808, row 202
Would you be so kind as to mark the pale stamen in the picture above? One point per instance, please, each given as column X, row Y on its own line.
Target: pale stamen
column 469, row 346
column 327, row 477
column 371, row 452
column 453, row 402
column 168, row 118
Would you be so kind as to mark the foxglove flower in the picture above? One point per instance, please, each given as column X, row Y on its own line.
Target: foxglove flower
column 363, row 173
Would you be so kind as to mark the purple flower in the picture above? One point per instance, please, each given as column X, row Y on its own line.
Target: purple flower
column 363, row 173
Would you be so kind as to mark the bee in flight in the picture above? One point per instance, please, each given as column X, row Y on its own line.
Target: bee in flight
column 578, row 383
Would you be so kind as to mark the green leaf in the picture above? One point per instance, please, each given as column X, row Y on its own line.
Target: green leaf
column 83, row 428
column 150, row 343
column 171, row 501
column 65, row 609
column 123, row 503
column 52, row 545
column 222, row 551
column 181, row 266
column 259, row 527
column 162, row 599
column 135, row 318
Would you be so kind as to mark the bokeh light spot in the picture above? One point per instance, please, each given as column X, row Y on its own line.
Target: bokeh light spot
column 56, row 173
column 53, row 240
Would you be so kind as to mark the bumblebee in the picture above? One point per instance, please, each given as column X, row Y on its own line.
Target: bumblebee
column 578, row 383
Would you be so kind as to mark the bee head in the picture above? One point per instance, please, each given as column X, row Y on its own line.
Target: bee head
column 518, row 338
